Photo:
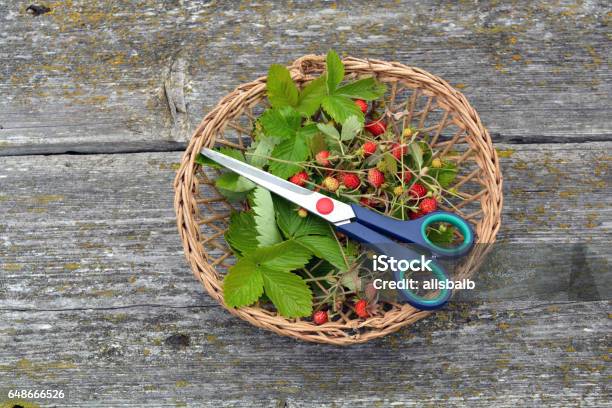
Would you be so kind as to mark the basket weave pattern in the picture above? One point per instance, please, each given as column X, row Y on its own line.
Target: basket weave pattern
column 415, row 98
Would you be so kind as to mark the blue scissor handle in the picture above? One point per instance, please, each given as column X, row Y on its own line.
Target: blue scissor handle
column 416, row 230
column 384, row 245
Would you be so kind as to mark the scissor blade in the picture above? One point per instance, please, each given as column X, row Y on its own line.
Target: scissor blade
column 303, row 197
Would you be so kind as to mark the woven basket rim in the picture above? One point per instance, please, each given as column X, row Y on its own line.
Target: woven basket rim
column 302, row 69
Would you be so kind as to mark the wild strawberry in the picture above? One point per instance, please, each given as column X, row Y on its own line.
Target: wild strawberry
column 302, row 213
column 407, row 132
column 363, row 105
column 415, row 215
column 323, row 158
column 361, row 308
column 320, row 317
column 375, row 177
column 351, row 180
column 428, row 205
column 407, row 176
column 331, row 183
column 365, row 201
column 376, row 128
column 436, row 163
column 398, row 151
column 299, row 178
column 398, row 190
column 369, row 148
column 417, row 190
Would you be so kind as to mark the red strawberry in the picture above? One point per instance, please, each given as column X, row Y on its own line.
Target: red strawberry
column 417, row 190
column 331, row 183
column 351, row 180
column 363, row 105
column 415, row 215
column 361, row 308
column 299, row 178
column 369, row 148
column 398, row 151
column 320, row 317
column 323, row 158
column 376, row 128
column 428, row 205
column 365, row 201
column 375, row 177
column 407, row 176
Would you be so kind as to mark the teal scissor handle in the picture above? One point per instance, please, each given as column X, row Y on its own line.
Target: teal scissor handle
column 383, row 245
column 415, row 231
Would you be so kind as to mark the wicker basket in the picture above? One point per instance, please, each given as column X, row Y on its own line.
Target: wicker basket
column 416, row 98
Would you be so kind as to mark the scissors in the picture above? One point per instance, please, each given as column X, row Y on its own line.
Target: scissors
column 368, row 227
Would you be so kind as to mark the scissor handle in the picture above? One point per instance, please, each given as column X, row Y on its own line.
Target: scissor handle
column 415, row 231
column 384, row 245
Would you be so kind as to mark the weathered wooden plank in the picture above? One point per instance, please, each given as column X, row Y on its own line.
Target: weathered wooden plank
column 97, row 300
column 96, row 76
column 99, row 230
column 501, row 355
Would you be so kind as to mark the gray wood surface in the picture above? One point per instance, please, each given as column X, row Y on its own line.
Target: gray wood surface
column 95, row 296
column 107, row 77
column 98, row 300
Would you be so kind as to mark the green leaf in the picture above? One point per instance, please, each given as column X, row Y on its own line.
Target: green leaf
column 234, row 183
column 281, row 88
column 441, row 236
column 445, row 175
column 286, row 256
column 205, row 161
column 290, row 152
column 311, row 96
column 293, row 226
column 350, row 128
column 280, row 122
column 265, row 223
column 243, row 285
column 242, row 234
column 308, row 131
column 329, row 130
column 367, row 89
column 417, row 154
column 387, row 164
column 335, row 71
column 340, row 108
column 324, row 247
column 289, row 292
column 317, row 143
column 263, row 150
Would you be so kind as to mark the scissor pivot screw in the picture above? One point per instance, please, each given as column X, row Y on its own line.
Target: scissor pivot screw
column 325, row 205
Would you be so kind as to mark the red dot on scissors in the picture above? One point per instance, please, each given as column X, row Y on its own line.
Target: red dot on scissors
column 325, row 205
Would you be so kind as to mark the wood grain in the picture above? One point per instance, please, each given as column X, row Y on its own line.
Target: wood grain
column 96, row 299
column 110, row 76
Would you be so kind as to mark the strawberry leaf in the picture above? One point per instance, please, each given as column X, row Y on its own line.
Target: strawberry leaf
column 265, row 224
column 445, row 175
column 335, row 71
column 288, row 291
column 243, row 285
column 294, row 226
column 329, row 130
column 286, row 256
column 233, row 183
column 311, row 96
column 325, row 248
column 350, row 128
column 367, row 89
column 263, row 150
column 340, row 108
column 280, row 122
column 242, row 234
column 289, row 152
column 441, row 236
column 281, row 88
